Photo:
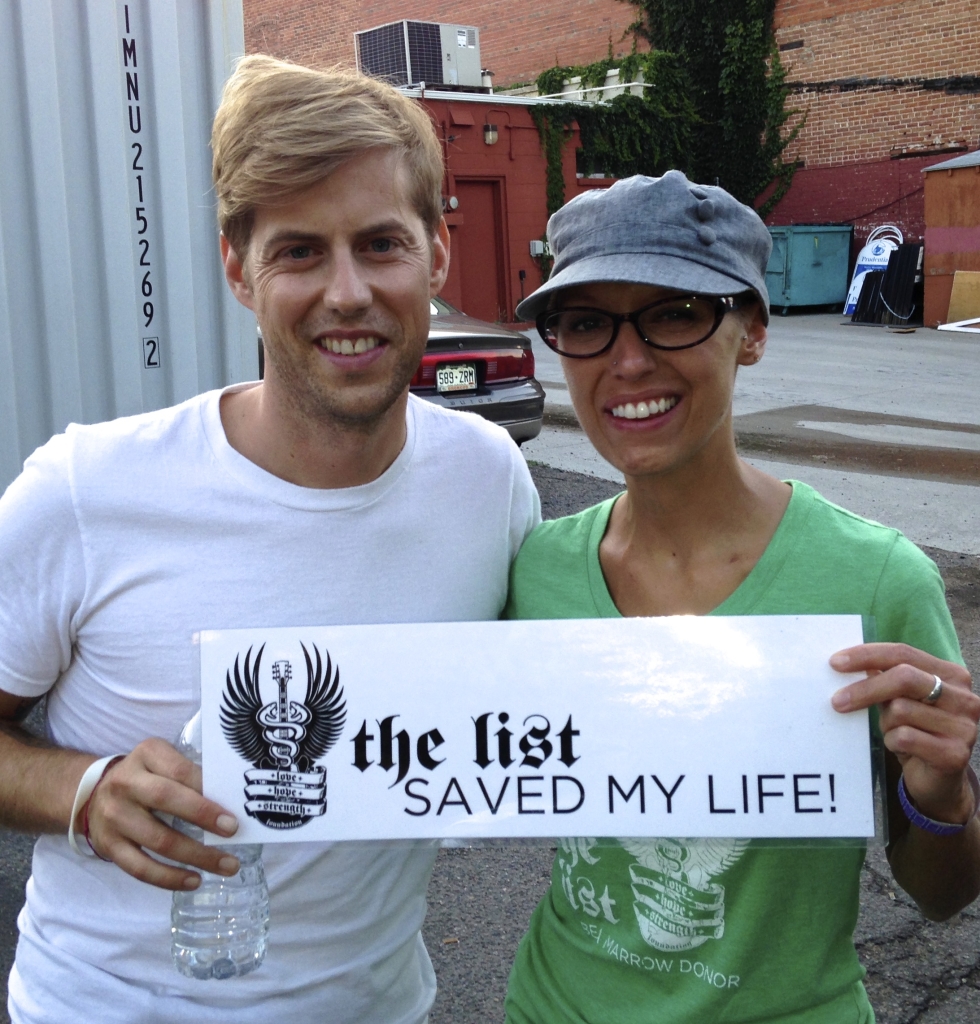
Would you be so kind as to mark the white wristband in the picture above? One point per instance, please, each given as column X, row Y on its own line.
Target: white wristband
column 86, row 786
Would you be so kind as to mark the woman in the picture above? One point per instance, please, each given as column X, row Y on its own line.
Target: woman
column 657, row 297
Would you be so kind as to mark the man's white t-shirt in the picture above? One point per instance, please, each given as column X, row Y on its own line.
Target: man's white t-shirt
column 121, row 540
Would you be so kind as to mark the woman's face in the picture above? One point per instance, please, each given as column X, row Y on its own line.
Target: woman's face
column 647, row 410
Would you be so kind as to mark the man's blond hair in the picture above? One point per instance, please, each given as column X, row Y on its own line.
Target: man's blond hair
column 281, row 128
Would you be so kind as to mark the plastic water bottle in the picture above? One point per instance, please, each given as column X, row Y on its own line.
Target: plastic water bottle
column 219, row 930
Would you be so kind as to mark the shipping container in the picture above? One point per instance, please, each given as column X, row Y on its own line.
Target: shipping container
column 112, row 298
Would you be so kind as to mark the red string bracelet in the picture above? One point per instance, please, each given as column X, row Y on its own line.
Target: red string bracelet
column 88, row 838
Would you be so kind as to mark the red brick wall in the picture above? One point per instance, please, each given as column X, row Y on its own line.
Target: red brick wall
column 841, row 39
column 847, row 39
column 803, row 12
column 852, row 135
column 517, row 41
column 874, row 124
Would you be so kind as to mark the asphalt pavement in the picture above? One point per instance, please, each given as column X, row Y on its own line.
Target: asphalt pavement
column 885, row 424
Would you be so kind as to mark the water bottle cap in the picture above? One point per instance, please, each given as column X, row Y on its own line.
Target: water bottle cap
column 189, row 742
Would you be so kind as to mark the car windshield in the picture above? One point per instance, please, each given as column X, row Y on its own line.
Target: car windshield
column 439, row 307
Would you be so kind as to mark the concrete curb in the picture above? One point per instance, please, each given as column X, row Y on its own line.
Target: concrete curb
column 561, row 416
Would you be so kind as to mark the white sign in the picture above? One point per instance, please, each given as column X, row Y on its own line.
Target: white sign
column 682, row 726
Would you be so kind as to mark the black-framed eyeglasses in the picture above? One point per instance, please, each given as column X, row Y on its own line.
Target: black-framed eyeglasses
column 678, row 322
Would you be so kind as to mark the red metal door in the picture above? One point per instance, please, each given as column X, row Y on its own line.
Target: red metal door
column 479, row 250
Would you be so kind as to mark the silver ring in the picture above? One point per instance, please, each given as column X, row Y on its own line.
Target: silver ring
column 935, row 693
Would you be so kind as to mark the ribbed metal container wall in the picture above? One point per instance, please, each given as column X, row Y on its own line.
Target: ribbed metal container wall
column 112, row 299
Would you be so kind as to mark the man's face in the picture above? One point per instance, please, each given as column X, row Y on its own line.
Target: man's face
column 340, row 280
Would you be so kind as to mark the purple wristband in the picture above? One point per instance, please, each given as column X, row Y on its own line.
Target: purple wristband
column 939, row 828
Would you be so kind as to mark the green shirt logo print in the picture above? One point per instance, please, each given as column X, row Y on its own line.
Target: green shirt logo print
column 579, row 890
column 677, row 906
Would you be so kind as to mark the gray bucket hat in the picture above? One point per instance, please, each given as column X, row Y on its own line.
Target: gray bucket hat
column 664, row 231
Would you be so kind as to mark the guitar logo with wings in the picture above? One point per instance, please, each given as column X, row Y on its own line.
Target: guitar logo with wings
column 283, row 739
column 678, row 905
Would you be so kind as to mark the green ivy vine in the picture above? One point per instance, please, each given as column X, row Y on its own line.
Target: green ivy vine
column 551, row 81
column 716, row 109
column 627, row 135
column 728, row 50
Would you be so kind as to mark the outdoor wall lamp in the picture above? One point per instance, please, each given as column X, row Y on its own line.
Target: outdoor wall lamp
column 490, row 130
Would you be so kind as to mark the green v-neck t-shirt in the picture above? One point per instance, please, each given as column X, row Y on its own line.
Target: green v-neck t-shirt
column 688, row 931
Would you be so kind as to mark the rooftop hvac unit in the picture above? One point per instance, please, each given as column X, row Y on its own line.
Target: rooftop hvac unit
column 410, row 52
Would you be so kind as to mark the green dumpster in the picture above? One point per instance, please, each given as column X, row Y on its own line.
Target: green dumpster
column 808, row 265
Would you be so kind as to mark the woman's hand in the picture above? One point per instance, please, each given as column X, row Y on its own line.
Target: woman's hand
column 929, row 744
column 932, row 741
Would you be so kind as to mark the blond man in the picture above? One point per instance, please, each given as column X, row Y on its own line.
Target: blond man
column 323, row 494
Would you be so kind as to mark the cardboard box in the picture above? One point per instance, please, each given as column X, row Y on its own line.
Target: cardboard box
column 964, row 299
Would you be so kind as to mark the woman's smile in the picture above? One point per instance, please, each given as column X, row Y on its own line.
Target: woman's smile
column 643, row 408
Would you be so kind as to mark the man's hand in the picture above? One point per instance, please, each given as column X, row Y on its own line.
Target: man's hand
column 932, row 742
column 38, row 783
column 122, row 826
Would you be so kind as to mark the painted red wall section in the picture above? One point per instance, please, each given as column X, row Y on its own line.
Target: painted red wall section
column 512, row 173
column 865, row 195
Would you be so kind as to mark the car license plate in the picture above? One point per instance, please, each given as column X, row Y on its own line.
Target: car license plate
column 456, row 377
